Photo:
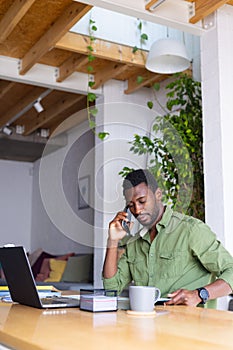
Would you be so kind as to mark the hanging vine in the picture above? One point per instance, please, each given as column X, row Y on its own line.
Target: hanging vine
column 91, row 96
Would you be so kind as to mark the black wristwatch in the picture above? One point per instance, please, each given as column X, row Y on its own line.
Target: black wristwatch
column 203, row 294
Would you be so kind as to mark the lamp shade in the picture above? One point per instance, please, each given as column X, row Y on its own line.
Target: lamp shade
column 167, row 56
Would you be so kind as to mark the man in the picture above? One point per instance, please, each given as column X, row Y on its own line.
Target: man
column 174, row 252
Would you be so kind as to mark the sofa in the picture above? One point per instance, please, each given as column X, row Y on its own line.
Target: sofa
column 65, row 272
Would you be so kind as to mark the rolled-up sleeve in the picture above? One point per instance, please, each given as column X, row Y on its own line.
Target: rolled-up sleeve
column 121, row 279
column 211, row 253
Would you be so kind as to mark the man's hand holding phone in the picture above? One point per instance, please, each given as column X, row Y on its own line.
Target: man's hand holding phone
column 119, row 227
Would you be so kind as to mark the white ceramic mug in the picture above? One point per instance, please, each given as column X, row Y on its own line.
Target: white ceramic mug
column 143, row 298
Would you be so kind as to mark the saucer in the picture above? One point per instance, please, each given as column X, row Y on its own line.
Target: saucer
column 141, row 313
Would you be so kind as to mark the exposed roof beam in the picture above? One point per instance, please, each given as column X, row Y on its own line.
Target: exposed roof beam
column 147, row 78
column 7, row 89
column 102, row 49
column 72, row 64
column 13, row 16
column 51, row 113
column 43, row 75
column 28, row 98
column 110, row 71
column 69, row 17
column 204, row 8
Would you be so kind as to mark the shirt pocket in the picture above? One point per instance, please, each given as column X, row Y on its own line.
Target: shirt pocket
column 138, row 270
column 170, row 264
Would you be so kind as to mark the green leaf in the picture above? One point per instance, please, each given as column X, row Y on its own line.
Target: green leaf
column 90, row 69
column 156, row 86
column 139, row 79
column 150, row 104
column 94, row 28
column 144, row 36
column 140, row 25
column 91, row 58
column 92, row 124
column 135, row 49
column 94, row 111
column 91, row 84
column 91, row 97
column 90, row 48
column 102, row 135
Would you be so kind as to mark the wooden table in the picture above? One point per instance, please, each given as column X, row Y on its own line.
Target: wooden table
column 173, row 327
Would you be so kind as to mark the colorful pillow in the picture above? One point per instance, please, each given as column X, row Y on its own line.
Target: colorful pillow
column 44, row 271
column 78, row 268
column 57, row 268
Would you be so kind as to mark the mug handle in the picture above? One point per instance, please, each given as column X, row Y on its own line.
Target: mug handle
column 157, row 294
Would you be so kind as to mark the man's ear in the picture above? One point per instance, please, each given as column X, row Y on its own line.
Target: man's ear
column 158, row 194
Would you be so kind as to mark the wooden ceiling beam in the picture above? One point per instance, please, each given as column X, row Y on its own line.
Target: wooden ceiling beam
column 102, row 49
column 59, row 125
column 13, row 16
column 110, row 71
column 203, row 8
column 151, row 3
column 72, row 64
column 69, row 17
column 147, row 78
column 52, row 112
column 7, row 89
column 18, row 107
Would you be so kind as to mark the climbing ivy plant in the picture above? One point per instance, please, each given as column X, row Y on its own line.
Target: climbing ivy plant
column 91, row 96
column 175, row 146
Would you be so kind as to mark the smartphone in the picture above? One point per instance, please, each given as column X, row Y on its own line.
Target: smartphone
column 125, row 224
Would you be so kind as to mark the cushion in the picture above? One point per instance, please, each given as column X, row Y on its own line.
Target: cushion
column 36, row 267
column 57, row 268
column 78, row 269
column 44, row 271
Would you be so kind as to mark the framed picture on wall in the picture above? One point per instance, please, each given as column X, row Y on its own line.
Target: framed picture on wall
column 84, row 192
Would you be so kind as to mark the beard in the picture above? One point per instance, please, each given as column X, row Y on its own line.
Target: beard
column 148, row 219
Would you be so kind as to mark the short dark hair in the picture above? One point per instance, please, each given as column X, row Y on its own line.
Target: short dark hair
column 137, row 177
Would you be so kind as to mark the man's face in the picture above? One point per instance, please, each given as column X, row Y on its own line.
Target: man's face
column 145, row 205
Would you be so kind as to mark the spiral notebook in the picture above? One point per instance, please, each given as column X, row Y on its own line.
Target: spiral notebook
column 21, row 283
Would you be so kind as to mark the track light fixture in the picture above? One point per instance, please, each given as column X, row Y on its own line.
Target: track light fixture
column 7, row 131
column 44, row 132
column 38, row 106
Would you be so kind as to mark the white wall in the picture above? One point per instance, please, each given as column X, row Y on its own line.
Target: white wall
column 217, row 75
column 15, row 203
column 58, row 226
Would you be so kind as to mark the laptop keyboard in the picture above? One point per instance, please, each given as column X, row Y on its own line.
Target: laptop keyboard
column 57, row 300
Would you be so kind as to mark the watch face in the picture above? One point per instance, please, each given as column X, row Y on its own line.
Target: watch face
column 204, row 295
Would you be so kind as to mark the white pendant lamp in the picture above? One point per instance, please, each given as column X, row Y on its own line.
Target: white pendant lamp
column 167, row 56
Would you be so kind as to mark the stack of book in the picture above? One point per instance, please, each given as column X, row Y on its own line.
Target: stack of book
column 44, row 292
column 98, row 300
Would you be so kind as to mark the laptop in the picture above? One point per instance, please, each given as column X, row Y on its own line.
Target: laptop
column 21, row 282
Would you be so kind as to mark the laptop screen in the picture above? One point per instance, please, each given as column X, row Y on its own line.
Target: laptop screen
column 19, row 276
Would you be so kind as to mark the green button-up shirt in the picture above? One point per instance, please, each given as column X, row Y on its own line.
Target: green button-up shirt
column 184, row 254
